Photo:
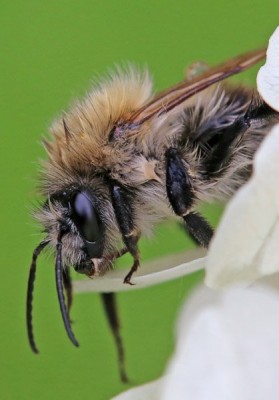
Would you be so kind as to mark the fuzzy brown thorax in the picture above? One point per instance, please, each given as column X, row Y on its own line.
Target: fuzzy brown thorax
column 80, row 138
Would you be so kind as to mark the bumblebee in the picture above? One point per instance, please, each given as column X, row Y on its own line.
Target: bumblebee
column 123, row 159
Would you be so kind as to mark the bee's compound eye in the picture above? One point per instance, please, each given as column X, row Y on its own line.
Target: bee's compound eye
column 85, row 217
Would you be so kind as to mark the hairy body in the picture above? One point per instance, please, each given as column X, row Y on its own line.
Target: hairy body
column 85, row 151
column 124, row 159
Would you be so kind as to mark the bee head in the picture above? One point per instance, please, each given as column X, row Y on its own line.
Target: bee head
column 83, row 211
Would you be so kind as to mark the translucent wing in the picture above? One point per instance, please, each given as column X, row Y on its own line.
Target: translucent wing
column 170, row 98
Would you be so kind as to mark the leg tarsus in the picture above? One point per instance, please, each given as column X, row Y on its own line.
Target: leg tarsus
column 134, row 268
column 199, row 229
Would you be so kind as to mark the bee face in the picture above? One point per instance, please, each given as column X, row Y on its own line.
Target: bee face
column 85, row 213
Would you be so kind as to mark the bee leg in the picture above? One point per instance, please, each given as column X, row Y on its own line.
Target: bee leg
column 218, row 160
column 67, row 283
column 181, row 196
column 133, row 269
column 110, row 306
column 59, row 288
column 122, row 204
column 198, row 228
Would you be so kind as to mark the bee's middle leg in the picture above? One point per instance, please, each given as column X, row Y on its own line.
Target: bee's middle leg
column 181, row 196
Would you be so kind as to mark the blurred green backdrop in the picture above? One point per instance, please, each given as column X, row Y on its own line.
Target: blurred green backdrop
column 49, row 53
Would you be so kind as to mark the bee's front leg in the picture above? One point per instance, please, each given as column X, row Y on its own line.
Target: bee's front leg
column 181, row 196
column 67, row 283
column 123, row 206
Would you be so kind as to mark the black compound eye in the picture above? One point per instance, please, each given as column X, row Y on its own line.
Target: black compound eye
column 87, row 222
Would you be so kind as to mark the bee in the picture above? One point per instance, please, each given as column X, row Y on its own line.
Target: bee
column 123, row 159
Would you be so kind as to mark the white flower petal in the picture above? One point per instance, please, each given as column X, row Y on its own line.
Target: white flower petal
column 227, row 347
column 268, row 75
column 149, row 391
column 245, row 246
column 151, row 273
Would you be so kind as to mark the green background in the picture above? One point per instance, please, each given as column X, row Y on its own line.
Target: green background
column 49, row 52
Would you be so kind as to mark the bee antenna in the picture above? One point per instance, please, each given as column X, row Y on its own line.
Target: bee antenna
column 29, row 299
column 59, row 288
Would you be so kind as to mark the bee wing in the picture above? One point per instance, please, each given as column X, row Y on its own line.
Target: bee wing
column 170, row 98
